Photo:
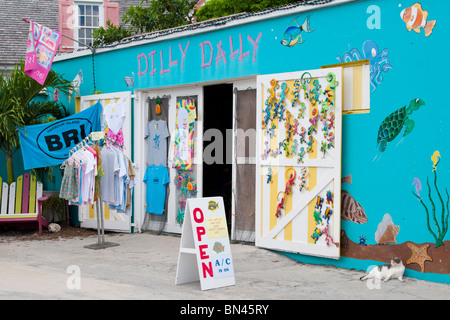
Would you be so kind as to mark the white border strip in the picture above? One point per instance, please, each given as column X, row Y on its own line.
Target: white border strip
column 227, row 24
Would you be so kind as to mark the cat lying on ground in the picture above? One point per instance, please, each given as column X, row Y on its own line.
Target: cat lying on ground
column 387, row 271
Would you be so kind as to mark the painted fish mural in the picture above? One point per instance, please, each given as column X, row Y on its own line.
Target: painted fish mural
column 351, row 210
column 293, row 34
column 416, row 18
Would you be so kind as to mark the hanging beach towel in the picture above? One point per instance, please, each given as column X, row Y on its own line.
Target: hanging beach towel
column 42, row 45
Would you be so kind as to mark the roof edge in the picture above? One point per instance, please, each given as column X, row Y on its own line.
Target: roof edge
column 206, row 26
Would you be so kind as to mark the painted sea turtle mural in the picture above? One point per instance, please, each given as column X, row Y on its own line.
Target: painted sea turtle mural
column 394, row 123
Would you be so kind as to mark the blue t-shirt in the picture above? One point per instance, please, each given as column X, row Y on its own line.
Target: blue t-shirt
column 156, row 178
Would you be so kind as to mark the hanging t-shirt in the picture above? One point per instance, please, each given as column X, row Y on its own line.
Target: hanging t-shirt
column 115, row 139
column 156, row 133
column 156, row 178
column 111, row 169
column 114, row 114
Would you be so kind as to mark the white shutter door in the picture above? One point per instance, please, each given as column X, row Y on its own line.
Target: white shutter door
column 298, row 168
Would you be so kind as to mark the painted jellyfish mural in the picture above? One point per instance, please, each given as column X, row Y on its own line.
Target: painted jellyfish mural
column 379, row 61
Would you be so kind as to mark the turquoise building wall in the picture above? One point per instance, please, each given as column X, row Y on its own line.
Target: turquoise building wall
column 406, row 65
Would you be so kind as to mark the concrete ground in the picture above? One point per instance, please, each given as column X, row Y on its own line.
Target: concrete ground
column 144, row 266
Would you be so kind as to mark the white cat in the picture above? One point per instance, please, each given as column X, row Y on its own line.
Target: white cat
column 53, row 227
column 387, row 271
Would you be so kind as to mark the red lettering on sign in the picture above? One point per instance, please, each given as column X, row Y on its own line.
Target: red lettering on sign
column 203, row 254
column 200, row 232
column 198, row 219
column 209, row 270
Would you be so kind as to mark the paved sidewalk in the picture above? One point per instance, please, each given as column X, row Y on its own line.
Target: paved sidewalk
column 143, row 266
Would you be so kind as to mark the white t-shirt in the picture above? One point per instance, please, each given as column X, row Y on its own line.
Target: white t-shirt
column 111, row 169
column 114, row 115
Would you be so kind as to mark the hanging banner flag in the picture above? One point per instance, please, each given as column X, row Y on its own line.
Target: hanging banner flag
column 42, row 45
column 49, row 144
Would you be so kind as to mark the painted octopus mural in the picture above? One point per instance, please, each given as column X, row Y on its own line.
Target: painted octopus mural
column 379, row 61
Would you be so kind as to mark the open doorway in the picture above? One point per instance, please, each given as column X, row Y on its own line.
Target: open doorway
column 217, row 146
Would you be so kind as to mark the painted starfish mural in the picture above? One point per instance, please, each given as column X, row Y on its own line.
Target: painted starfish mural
column 419, row 255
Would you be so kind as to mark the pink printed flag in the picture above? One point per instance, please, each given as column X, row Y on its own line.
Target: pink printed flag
column 42, row 45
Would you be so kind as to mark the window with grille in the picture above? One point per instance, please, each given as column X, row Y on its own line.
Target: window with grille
column 89, row 16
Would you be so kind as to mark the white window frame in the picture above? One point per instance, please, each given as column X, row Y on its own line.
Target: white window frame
column 76, row 14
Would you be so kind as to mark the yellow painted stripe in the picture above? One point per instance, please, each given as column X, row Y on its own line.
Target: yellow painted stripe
column 290, row 97
column 261, row 213
column 91, row 212
column 273, row 198
column 357, row 88
column 312, row 184
column 32, row 203
column 313, row 154
column 347, row 64
column 77, row 104
column 290, row 121
column 19, row 216
column 262, row 204
column 274, row 185
column 288, row 207
column 107, row 213
column 312, row 204
column 19, row 187
column 290, row 87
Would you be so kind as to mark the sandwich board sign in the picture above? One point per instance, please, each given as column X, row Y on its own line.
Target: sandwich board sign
column 205, row 253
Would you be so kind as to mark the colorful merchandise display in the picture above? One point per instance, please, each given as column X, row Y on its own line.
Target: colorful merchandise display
column 184, row 133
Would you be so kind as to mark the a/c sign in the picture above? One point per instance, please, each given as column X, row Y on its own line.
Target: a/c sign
column 205, row 253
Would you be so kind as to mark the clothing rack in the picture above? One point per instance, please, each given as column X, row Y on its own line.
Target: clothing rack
column 101, row 243
column 89, row 139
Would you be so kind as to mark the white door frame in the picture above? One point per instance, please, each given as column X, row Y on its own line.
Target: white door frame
column 140, row 120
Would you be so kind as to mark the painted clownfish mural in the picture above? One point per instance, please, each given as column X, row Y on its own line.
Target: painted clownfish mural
column 415, row 18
